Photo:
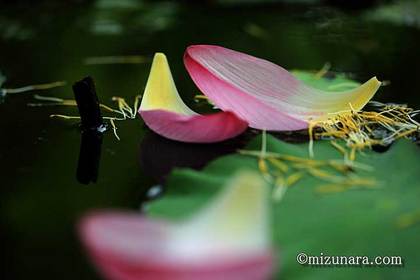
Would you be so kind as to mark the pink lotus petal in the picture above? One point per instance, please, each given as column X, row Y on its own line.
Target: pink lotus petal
column 212, row 245
column 164, row 112
column 194, row 128
column 125, row 246
column 263, row 93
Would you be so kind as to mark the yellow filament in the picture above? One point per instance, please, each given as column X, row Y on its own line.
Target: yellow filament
column 357, row 128
column 262, row 166
column 324, row 70
column 408, row 219
column 123, row 109
column 294, row 178
column 280, row 188
column 34, row 87
column 114, row 129
column 311, row 138
column 278, row 164
column 330, row 188
column 339, row 148
column 126, row 59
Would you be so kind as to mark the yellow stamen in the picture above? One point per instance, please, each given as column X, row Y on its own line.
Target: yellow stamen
column 339, row 148
column 34, row 87
column 278, row 164
column 123, row 109
column 324, row 70
column 280, row 188
column 352, row 156
column 126, row 59
column 408, row 219
column 114, row 129
column 358, row 129
column 331, row 188
column 311, row 138
column 294, row 178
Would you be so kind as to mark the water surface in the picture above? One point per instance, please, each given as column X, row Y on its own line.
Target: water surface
column 41, row 200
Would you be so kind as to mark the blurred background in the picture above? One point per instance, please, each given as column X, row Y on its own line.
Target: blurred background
column 45, row 41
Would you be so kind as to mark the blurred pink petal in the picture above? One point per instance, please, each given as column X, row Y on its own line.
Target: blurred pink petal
column 163, row 110
column 263, row 93
column 226, row 240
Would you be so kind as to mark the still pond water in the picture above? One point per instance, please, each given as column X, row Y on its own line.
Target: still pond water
column 41, row 199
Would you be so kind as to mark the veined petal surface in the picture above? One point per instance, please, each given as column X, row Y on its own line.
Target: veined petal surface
column 163, row 110
column 263, row 93
column 227, row 240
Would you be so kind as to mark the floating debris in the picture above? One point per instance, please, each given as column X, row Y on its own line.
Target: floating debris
column 7, row 91
column 284, row 171
column 34, row 87
column 127, row 59
column 123, row 111
column 408, row 219
column 380, row 126
column 255, row 30
column 323, row 71
column 2, row 93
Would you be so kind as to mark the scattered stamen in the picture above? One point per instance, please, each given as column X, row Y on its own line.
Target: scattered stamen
column 339, row 148
column 365, row 129
column 64, row 117
column 330, row 188
column 127, row 59
column 294, row 178
column 200, row 96
column 114, row 129
column 311, row 138
column 124, row 110
column 280, row 188
column 33, row 87
column 262, row 165
column 280, row 165
column 287, row 170
column 346, row 85
column 324, row 70
column 408, row 219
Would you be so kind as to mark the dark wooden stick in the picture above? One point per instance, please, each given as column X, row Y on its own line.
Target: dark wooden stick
column 89, row 156
column 93, row 128
column 88, row 104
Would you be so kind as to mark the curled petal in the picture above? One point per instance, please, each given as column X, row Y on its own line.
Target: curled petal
column 263, row 93
column 195, row 128
column 163, row 110
column 226, row 240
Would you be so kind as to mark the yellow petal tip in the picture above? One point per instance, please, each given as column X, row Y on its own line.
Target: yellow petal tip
column 160, row 56
column 375, row 79
column 364, row 93
column 160, row 92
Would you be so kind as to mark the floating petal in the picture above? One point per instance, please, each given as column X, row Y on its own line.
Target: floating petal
column 263, row 93
column 226, row 240
column 163, row 110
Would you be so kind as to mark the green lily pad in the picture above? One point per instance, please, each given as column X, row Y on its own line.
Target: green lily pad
column 381, row 221
column 337, row 82
column 403, row 13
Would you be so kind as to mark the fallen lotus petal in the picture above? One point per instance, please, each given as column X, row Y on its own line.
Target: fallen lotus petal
column 164, row 112
column 228, row 239
column 263, row 93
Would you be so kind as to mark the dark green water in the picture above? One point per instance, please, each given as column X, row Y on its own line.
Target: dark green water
column 41, row 199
